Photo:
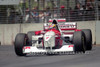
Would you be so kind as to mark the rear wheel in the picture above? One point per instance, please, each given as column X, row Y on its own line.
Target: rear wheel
column 79, row 41
column 29, row 34
column 88, row 36
column 20, row 42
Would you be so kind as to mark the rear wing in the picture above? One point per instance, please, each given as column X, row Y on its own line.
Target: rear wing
column 58, row 20
column 68, row 27
column 63, row 26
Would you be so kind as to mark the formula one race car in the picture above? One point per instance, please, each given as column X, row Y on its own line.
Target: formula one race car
column 58, row 36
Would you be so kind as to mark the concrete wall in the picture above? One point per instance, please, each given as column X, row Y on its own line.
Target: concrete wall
column 31, row 27
column 97, row 32
column 9, row 31
column 88, row 25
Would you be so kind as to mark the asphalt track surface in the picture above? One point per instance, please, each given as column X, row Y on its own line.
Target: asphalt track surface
column 8, row 58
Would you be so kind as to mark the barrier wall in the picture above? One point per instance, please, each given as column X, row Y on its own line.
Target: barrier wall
column 9, row 31
column 88, row 25
column 31, row 27
column 97, row 32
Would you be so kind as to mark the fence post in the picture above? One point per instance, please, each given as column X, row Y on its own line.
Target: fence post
column 24, row 8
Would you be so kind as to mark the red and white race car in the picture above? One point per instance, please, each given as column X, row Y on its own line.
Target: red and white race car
column 58, row 36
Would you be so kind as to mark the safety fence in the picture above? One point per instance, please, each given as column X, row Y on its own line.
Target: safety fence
column 72, row 10
column 9, row 14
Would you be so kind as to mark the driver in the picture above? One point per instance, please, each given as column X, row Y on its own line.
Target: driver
column 52, row 26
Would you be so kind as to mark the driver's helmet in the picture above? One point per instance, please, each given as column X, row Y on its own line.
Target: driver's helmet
column 51, row 26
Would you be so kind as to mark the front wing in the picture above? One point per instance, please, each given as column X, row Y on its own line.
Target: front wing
column 34, row 49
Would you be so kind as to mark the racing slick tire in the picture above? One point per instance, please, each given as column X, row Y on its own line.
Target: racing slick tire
column 88, row 36
column 79, row 41
column 20, row 42
column 29, row 34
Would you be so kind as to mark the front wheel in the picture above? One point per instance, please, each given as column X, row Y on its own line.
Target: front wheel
column 20, row 42
column 79, row 41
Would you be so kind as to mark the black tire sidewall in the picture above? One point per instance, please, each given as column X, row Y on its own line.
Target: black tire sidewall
column 88, row 36
column 78, row 42
column 20, row 43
